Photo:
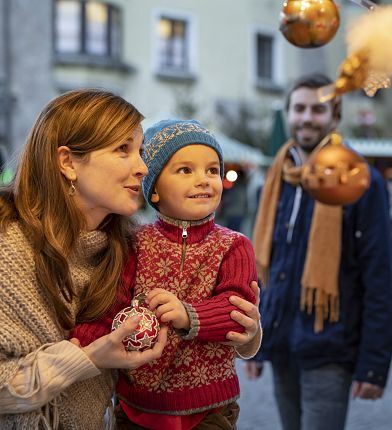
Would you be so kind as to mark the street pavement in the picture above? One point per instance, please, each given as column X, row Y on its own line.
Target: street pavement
column 258, row 409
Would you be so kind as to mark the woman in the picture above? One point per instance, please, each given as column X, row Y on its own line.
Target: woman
column 65, row 233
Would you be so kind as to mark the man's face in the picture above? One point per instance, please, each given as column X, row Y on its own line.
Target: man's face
column 309, row 120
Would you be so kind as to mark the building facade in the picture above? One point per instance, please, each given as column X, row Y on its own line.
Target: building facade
column 224, row 62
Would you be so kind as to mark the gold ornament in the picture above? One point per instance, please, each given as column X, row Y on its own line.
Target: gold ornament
column 309, row 23
column 335, row 174
column 354, row 74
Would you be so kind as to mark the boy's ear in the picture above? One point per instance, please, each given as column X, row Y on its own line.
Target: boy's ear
column 65, row 161
column 154, row 197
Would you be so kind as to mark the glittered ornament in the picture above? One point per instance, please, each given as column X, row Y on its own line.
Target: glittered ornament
column 309, row 23
column 145, row 334
column 335, row 174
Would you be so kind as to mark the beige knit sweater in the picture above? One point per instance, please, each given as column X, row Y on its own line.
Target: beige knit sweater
column 45, row 381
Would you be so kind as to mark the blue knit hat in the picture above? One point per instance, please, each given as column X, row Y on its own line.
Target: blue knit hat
column 165, row 138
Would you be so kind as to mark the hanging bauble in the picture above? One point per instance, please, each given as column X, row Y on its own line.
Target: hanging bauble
column 145, row 334
column 309, row 23
column 335, row 174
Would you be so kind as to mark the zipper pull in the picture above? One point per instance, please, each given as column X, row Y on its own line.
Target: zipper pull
column 184, row 236
column 184, row 231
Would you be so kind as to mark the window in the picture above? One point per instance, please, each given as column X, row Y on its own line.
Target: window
column 173, row 52
column 174, row 46
column 264, row 57
column 87, row 28
column 267, row 60
column 264, row 45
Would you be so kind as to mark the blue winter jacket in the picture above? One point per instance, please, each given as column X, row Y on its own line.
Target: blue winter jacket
column 362, row 338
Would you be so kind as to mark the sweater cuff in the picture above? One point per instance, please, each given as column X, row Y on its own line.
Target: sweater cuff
column 194, row 324
column 250, row 349
column 60, row 364
column 45, row 373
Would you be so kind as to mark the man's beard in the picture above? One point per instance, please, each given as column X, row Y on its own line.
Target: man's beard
column 309, row 145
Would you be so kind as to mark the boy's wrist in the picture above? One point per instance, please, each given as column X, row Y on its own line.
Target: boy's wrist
column 184, row 322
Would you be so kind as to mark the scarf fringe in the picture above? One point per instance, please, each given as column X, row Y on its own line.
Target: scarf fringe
column 323, row 305
column 263, row 273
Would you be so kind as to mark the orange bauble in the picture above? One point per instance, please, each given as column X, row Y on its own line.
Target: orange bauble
column 335, row 175
column 309, row 23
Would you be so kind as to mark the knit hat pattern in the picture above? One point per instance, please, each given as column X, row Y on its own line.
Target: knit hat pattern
column 164, row 138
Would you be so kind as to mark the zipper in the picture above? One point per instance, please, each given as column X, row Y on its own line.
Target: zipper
column 183, row 250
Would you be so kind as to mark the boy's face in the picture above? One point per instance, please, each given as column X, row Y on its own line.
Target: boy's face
column 189, row 186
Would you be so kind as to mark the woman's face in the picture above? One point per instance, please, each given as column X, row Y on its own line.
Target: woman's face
column 109, row 180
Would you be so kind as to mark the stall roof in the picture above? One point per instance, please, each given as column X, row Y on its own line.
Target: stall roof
column 235, row 151
column 371, row 147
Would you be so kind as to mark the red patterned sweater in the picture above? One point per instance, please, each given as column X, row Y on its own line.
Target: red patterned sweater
column 195, row 372
column 203, row 269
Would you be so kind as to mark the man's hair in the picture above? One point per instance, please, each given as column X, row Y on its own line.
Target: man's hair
column 315, row 81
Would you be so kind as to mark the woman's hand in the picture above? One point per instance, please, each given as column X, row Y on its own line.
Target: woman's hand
column 108, row 351
column 250, row 321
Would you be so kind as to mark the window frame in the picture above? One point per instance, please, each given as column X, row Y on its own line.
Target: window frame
column 112, row 56
column 190, row 45
column 276, row 82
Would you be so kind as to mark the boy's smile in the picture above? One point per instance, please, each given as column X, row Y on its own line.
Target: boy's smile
column 189, row 187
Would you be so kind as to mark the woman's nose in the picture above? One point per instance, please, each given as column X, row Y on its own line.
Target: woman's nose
column 140, row 168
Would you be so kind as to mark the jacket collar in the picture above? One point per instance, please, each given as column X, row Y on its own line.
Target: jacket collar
column 175, row 229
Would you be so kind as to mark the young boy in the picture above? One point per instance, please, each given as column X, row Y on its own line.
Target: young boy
column 189, row 266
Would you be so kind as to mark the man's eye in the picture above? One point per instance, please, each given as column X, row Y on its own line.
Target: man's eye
column 213, row 171
column 319, row 109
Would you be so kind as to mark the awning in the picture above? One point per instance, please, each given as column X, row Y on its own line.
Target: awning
column 235, row 151
column 371, row 147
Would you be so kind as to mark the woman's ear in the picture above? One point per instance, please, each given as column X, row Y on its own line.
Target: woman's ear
column 155, row 196
column 66, row 165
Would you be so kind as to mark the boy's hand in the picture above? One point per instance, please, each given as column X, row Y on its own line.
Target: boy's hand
column 168, row 308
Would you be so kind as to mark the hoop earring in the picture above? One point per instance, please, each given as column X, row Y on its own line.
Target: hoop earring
column 72, row 189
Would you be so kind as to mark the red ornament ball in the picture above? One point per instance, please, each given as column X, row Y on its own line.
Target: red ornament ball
column 145, row 334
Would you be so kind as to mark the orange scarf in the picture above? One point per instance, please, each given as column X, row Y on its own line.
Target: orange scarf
column 319, row 280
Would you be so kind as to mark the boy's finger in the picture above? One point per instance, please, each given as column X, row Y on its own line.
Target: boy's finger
column 162, row 310
column 158, row 300
column 154, row 292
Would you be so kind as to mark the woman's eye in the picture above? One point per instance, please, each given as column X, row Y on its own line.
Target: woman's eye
column 123, row 148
